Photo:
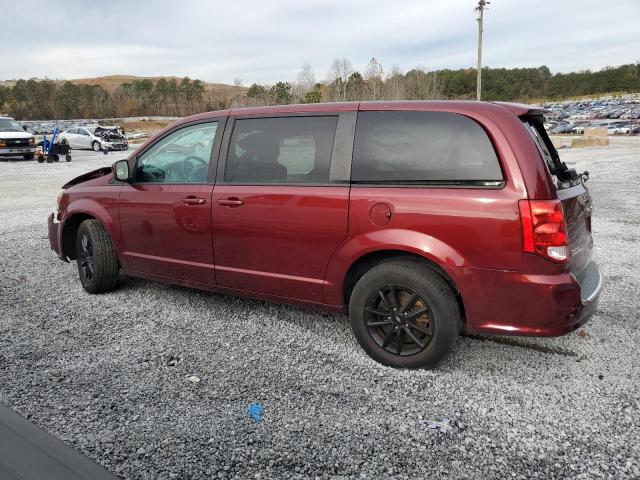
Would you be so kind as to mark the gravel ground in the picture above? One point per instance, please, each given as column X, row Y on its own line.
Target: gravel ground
column 112, row 375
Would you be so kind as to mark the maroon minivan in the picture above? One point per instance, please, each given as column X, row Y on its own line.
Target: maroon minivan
column 421, row 219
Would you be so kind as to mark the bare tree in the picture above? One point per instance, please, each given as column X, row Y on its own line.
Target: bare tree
column 305, row 82
column 373, row 75
column 422, row 85
column 237, row 82
column 338, row 77
column 394, row 86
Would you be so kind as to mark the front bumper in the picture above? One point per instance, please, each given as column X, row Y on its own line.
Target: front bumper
column 55, row 236
column 16, row 151
column 512, row 303
column 116, row 146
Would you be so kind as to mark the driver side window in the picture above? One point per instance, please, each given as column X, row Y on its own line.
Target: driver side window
column 180, row 157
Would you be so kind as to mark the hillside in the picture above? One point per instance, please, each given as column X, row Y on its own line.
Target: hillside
column 111, row 82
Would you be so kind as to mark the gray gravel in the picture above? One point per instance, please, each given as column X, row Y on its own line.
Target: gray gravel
column 113, row 375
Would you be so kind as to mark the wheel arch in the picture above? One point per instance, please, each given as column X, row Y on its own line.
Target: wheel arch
column 369, row 260
column 70, row 231
column 79, row 211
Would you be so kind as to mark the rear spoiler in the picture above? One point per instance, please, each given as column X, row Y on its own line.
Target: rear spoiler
column 521, row 109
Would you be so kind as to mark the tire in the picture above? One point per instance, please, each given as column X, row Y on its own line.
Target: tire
column 29, row 156
column 98, row 266
column 67, row 158
column 96, row 146
column 434, row 330
column 56, row 157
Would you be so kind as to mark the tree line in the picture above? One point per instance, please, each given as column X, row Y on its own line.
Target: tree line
column 48, row 99
column 344, row 83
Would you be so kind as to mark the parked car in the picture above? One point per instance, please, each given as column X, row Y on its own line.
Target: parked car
column 562, row 128
column 15, row 141
column 94, row 138
column 428, row 219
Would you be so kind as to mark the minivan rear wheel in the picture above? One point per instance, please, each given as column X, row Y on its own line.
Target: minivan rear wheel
column 404, row 315
column 97, row 261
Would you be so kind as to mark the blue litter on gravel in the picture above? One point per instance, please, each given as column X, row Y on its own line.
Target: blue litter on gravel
column 443, row 427
column 255, row 411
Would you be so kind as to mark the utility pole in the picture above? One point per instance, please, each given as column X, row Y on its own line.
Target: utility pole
column 482, row 4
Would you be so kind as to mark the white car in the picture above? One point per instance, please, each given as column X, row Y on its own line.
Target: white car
column 15, row 141
column 88, row 138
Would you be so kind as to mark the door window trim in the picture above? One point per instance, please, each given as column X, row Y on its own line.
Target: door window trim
column 214, row 155
column 341, row 152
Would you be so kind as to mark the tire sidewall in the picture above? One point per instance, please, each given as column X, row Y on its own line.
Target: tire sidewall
column 93, row 146
column 431, row 288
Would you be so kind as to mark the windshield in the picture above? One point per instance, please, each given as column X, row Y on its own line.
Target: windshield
column 9, row 125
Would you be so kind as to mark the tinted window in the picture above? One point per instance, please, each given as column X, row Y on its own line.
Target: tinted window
column 281, row 150
column 414, row 147
column 180, row 157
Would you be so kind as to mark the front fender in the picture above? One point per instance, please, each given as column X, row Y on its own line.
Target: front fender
column 102, row 209
column 403, row 240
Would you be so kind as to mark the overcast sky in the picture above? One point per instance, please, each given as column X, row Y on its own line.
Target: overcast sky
column 267, row 41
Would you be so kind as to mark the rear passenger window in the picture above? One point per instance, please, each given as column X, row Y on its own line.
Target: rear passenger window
column 423, row 147
column 281, row 150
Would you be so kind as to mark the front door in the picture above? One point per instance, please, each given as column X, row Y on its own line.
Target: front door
column 277, row 217
column 165, row 213
column 83, row 138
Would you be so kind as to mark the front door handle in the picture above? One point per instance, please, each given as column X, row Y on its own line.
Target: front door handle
column 230, row 202
column 193, row 201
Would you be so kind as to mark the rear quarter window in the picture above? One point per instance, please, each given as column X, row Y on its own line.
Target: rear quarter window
column 422, row 147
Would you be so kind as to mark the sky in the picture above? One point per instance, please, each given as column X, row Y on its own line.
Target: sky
column 267, row 41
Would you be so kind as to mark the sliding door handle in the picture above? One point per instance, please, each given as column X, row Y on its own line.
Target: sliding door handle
column 230, row 202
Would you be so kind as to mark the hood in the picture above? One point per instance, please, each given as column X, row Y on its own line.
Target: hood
column 20, row 134
column 100, row 172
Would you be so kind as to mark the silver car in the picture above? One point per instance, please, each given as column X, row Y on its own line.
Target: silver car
column 87, row 138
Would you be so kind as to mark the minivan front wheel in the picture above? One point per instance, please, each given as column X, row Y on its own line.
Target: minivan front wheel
column 97, row 261
column 404, row 315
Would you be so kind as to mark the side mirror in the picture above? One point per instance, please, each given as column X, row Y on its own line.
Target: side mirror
column 120, row 170
column 24, row 127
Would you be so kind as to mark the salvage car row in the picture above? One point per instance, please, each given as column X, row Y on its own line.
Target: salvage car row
column 16, row 139
column 619, row 115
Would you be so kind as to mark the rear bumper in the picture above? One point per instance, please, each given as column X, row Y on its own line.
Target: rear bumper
column 511, row 303
column 55, row 236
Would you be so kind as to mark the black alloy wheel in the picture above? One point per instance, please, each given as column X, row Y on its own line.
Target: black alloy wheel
column 85, row 257
column 399, row 320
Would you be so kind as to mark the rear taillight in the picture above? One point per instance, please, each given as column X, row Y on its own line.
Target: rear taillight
column 544, row 230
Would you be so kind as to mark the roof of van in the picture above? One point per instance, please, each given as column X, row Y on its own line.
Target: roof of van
column 460, row 106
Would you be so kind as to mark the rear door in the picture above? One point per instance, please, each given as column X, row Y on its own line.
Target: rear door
column 165, row 213
column 280, row 203
column 575, row 198
column 72, row 138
